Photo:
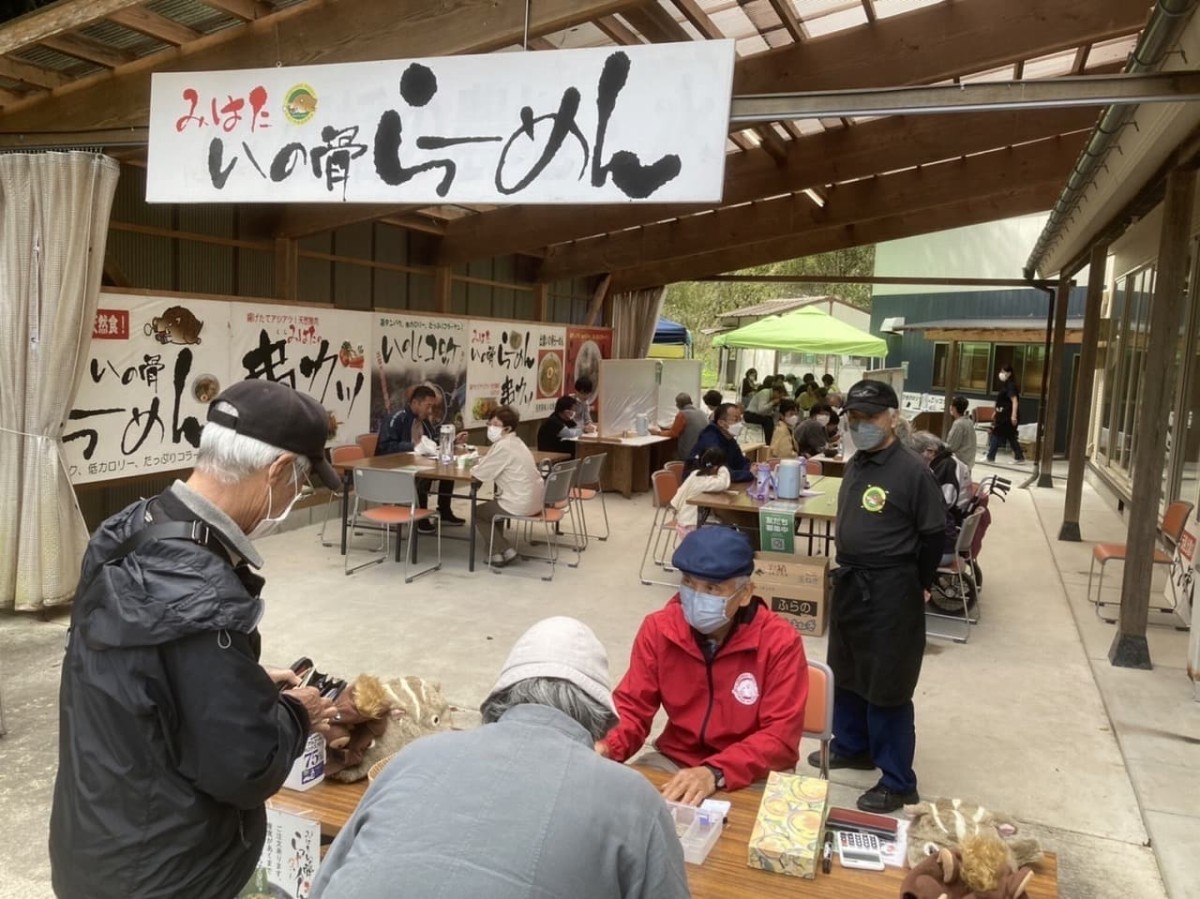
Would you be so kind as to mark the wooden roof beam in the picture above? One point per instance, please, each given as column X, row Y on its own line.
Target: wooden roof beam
column 783, row 9
column 305, row 34
column 305, row 219
column 85, row 48
column 143, row 21
column 936, row 43
column 893, row 224
column 656, row 24
column 813, row 161
column 699, row 18
column 246, row 10
column 55, row 19
column 869, row 9
column 28, row 73
column 847, row 203
column 617, row 31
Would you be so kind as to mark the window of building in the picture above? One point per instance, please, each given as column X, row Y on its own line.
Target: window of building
column 1027, row 359
column 973, row 365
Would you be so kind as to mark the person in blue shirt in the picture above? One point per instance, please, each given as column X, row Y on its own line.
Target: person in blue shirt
column 402, row 432
column 723, row 433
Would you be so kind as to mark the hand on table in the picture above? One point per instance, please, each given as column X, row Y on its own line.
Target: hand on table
column 460, row 437
column 589, row 429
column 282, row 677
column 690, row 786
column 320, row 710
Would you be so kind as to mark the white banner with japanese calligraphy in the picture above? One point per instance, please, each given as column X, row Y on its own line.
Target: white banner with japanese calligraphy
column 601, row 125
column 514, row 364
column 409, row 350
column 319, row 351
column 154, row 364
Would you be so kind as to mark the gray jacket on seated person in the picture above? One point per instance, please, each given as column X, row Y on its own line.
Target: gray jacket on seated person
column 517, row 809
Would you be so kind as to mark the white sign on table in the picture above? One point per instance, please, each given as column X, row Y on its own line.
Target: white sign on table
column 153, row 366
column 600, row 125
column 321, row 352
column 514, row 364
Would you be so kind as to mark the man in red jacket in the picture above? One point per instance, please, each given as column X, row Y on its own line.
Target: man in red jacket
column 730, row 673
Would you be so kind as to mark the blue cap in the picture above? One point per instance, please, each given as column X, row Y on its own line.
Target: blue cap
column 715, row 554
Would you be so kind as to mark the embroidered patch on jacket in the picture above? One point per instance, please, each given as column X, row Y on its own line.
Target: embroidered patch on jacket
column 874, row 499
column 745, row 689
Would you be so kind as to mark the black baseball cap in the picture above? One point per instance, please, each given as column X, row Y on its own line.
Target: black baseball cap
column 281, row 416
column 871, row 397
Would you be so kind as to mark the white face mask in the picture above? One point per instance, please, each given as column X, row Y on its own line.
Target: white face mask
column 494, row 433
column 734, row 429
column 1003, row 376
column 791, row 420
column 269, row 525
column 823, row 419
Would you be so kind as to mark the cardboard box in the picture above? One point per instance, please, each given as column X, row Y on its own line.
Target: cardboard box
column 796, row 588
column 787, row 831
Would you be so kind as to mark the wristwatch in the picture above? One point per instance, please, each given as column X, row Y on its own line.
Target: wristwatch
column 718, row 775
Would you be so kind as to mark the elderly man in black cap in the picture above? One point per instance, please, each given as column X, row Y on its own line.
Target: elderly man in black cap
column 730, row 674
column 889, row 541
column 171, row 735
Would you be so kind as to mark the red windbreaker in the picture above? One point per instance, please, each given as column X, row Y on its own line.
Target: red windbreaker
column 743, row 712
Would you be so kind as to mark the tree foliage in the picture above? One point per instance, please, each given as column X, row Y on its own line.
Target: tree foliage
column 697, row 304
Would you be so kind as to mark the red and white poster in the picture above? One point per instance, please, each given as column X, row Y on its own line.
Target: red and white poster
column 585, row 348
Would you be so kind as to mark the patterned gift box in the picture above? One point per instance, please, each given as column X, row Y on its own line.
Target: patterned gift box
column 787, row 831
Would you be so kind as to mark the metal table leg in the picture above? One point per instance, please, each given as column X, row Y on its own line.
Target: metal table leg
column 471, row 551
column 347, row 484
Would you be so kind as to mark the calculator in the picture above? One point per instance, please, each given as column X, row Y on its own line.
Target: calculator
column 859, row 850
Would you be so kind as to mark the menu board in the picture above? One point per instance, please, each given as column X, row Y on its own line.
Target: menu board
column 514, row 364
column 412, row 350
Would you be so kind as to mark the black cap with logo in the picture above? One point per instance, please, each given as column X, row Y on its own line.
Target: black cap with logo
column 281, row 416
column 871, row 397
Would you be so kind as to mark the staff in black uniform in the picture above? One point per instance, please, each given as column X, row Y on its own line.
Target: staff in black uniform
column 889, row 542
column 1008, row 416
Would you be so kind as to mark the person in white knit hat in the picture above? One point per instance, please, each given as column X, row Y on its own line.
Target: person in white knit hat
column 522, row 806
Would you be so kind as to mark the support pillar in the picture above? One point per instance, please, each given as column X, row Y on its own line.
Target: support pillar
column 1129, row 648
column 541, row 302
column 1055, row 391
column 1084, row 388
column 287, row 264
column 442, row 284
column 951, row 385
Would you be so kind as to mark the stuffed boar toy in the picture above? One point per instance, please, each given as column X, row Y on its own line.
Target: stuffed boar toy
column 412, row 708
column 947, row 823
column 979, row 870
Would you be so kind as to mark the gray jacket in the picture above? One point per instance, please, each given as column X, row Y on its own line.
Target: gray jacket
column 520, row 809
column 962, row 441
column 697, row 421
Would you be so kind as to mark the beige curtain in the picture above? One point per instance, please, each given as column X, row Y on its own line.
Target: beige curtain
column 635, row 316
column 54, row 210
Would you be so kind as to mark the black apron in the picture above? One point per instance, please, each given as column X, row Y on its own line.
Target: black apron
column 877, row 632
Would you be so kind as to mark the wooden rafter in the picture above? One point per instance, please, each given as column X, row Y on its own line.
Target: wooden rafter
column 303, row 219
column 1081, row 58
column 770, row 141
column 783, row 9
column 869, row 198
column 55, row 19
column 699, row 18
column 85, row 48
column 971, row 209
column 617, row 31
column 306, row 34
column 814, row 160
column 936, row 43
column 869, row 9
column 143, row 21
column 655, row 24
column 28, row 73
column 246, row 10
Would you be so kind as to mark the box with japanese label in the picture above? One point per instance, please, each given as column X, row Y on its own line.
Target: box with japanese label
column 787, row 832
column 795, row 587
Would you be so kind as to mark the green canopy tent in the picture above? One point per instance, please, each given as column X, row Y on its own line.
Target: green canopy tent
column 806, row 330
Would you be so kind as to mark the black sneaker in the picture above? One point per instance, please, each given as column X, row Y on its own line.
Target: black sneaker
column 425, row 526
column 858, row 763
column 450, row 519
column 881, row 800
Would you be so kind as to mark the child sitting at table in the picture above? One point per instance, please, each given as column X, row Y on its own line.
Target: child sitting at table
column 711, row 477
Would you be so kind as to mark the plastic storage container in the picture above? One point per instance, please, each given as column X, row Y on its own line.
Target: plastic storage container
column 446, row 444
column 789, row 479
column 697, row 829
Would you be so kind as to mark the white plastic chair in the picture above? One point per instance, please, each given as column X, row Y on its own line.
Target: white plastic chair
column 587, row 488
column 556, row 505
column 395, row 493
column 960, row 573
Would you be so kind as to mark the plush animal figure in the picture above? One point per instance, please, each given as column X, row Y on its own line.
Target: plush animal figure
column 416, row 707
column 979, row 870
column 946, row 823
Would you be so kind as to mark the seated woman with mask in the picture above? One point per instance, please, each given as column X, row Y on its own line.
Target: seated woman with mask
column 519, row 486
column 557, row 433
column 730, row 674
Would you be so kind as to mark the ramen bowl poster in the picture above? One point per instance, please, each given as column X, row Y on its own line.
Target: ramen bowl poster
column 516, row 364
column 585, row 348
column 152, row 367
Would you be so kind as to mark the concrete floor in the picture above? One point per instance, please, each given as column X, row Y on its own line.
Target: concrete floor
column 1027, row 718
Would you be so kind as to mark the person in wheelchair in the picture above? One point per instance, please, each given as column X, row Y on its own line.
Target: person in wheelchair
column 954, row 479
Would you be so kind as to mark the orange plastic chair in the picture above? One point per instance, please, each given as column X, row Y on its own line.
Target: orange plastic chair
column 663, row 535
column 368, row 442
column 1171, row 531
column 339, row 455
column 676, row 468
column 818, row 711
column 396, row 493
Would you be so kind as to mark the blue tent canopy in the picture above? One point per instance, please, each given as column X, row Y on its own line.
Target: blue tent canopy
column 668, row 331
